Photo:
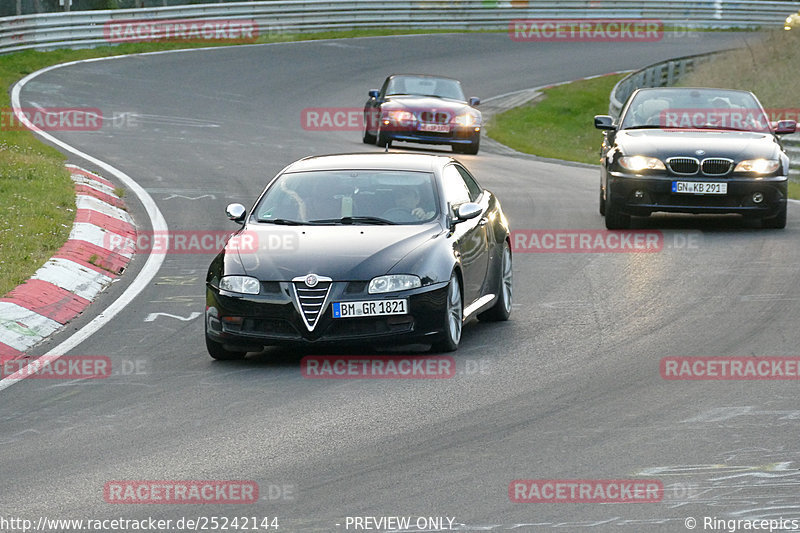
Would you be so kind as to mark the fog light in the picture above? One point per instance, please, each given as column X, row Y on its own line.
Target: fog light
column 758, row 197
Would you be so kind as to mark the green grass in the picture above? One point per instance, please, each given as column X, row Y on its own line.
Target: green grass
column 37, row 199
column 559, row 124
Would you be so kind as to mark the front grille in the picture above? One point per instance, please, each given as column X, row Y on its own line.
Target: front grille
column 311, row 300
column 436, row 118
column 716, row 166
column 686, row 166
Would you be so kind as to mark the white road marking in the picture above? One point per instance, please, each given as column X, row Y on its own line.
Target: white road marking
column 152, row 316
column 154, row 261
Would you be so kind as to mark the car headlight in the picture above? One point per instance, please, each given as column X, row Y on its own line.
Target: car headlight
column 640, row 162
column 393, row 282
column 240, row 284
column 758, row 166
column 400, row 116
column 468, row 119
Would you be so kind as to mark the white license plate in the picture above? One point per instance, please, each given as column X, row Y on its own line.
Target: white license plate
column 699, row 187
column 370, row 308
column 438, row 128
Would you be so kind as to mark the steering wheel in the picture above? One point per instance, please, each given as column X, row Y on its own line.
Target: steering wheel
column 399, row 214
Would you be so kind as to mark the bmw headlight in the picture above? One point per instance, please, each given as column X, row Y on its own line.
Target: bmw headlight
column 638, row 163
column 758, row 166
column 400, row 117
column 393, row 282
column 240, row 284
column 468, row 119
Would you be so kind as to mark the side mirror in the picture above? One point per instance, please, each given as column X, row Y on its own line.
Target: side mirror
column 374, row 93
column 604, row 122
column 785, row 126
column 467, row 211
column 236, row 212
column 474, row 101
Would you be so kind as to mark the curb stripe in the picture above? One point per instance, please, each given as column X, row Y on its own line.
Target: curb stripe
column 7, row 353
column 74, row 277
column 113, row 224
column 83, row 201
column 94, row 185
column 82, row 231
column 109, row 263
column 48, row 300
column 81, row 172
column 21, row 328
column 88, row 190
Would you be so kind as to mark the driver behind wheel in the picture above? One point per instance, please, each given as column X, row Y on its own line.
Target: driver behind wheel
column 408, row 198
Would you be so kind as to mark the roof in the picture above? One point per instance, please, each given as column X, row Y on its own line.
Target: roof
column 371, row 161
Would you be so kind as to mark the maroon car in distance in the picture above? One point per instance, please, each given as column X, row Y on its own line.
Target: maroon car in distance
column 422, row 109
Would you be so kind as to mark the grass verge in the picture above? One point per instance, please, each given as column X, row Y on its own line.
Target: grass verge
column 37, row 199
column 558, row 124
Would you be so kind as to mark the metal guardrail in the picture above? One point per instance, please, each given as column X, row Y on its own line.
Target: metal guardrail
column 662, row 74
column 86, row 28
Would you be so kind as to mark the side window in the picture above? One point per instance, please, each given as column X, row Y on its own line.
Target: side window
column 455, row 190
column 474, row 189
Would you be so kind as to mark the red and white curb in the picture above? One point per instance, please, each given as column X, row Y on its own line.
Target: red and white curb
column 81, row 269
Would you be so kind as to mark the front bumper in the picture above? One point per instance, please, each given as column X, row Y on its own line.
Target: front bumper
column 457, row 135
column 656, row 195
column 273, row 317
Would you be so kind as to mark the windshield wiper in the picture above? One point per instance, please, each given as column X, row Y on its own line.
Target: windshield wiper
column 281, row 221
column 354, row 220
column 650, row 127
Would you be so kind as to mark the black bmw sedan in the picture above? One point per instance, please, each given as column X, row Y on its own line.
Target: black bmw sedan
column 371, row 249
column 688, row 150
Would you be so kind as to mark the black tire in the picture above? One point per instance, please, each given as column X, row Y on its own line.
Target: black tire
column 219, row 353
column 368, row 138
column 501, row 309
column 383, row 140
column 471, row 148
column 614, row 218
column 776, row 222
column 453, row 320
column 602, row 202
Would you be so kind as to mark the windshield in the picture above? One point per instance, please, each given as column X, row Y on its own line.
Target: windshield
column 425, row 86
column 695, row 109
column 350, row 197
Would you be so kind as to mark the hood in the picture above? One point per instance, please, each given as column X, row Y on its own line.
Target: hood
column 419, row 104
column 343, row 252
column 736, row 145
